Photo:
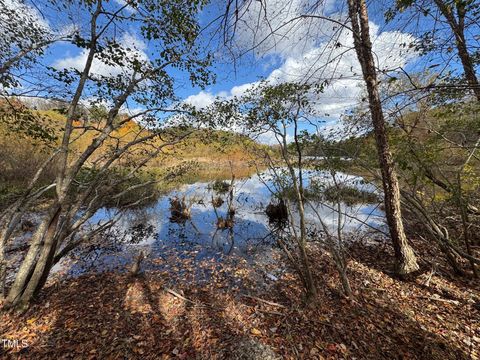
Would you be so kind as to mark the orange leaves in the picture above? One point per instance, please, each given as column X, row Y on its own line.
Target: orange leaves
column 127, row 128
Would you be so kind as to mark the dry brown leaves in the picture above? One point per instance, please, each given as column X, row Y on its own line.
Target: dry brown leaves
column 116, row 316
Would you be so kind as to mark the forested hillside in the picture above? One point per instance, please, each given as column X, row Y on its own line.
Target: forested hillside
column 204, row 155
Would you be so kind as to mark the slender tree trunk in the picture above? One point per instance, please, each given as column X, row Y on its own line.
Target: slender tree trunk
column 338, row 252
column 467, row 64
column 300, row 194
column 3, row 271
column 310, row 283
column 52, row 258
column 406, row 261
column 29, row 263
column 347, row 289
column 42, row 268
column 303, row 267
column 458, row 28
column 307, row 276
column 12, row 219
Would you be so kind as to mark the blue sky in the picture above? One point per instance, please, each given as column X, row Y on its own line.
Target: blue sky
column 311, row 50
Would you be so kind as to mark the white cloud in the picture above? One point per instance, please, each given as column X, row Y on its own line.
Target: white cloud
column 338, row 64
column 269, row 138
column 313, row 50
column 241, row 89
column 95, row 101
column 133, row 47
column 128, row 8
column 206, row 98
column 26, row 16
column 201, row 100
column 274, row 28
column 24, row 12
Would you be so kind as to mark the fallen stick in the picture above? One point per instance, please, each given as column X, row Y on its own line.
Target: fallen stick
column 455, row 302
column 265, row 301
column 174, row 293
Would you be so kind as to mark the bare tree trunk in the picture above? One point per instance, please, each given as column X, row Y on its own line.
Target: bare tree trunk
column 406, row 261
column 49, row 263
column 300, row 194
column 309, row 282
column 344, row 279
column 467, row 64
column 3, row 271
column 29, row 263
column 12, row 219
column 42, row 267
column 458, row 28
column 338, row 253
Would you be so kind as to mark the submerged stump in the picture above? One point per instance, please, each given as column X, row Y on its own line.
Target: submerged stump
column 277, row 212
column 180, row 211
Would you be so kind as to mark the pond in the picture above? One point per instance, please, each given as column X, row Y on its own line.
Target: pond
column 251, row 237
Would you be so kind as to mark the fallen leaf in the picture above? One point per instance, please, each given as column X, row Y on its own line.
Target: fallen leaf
column 255, row 332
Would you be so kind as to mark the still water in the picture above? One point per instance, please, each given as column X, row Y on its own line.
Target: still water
column 152, row 230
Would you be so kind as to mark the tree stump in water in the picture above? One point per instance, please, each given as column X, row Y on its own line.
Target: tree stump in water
column 224, row 223
column 277, row 212
column 217, row 202
column 180, row 211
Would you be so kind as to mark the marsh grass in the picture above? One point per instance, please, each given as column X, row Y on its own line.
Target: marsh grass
column 344, row 193
column 220, row 186
column 349, row 195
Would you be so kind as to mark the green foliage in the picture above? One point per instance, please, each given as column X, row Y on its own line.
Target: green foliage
column 268, row 105
column 19, row 120
column 317, row 145
column 432, row 146
column 23, row 40
column 98, row 113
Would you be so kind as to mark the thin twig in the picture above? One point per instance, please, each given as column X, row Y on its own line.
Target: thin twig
column 265, row 301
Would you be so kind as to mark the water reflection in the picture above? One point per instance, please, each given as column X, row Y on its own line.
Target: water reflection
column 250, row 234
